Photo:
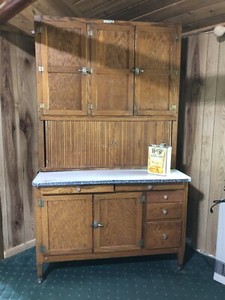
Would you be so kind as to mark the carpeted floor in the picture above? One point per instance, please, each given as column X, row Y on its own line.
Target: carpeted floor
column 145, row 278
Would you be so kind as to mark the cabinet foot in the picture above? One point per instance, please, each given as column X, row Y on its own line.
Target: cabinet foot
column 40, row 280
column 39, row 273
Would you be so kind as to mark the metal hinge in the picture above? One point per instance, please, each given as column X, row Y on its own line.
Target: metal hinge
column 40, row 69
column 40, row 202
column 42, row 249
column 176, row 37
column 141, row 243
column 90, row 33
column 142, row 199
column 39, row 30
column 90, row 108
column 41, row 105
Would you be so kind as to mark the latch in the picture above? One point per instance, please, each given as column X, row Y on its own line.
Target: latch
column 142, row 199
column 137, row 71
column 97, row 224
column 85, row 70
column 141, row 243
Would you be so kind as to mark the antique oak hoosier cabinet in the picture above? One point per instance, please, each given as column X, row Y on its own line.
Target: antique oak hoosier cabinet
column 106, row 90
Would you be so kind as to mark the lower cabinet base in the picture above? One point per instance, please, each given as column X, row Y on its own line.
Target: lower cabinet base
column 107, row 221
column 61, row 258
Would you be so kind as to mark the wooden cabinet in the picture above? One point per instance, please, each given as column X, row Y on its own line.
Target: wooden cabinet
column 100, row 221
column 120, row 216
column 106, row 90
column 157, row 61
column 66, row 223
column 94, row 67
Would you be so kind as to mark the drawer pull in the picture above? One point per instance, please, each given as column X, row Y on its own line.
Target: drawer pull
column 150, row 187
column 165, row 236
column 78, row 189
column 165, row 212
column 165, row 197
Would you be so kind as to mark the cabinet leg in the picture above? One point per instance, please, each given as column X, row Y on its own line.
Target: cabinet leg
column 39, row 273
column 180, row 259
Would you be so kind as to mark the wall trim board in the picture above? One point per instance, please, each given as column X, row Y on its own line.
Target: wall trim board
column 19, row 248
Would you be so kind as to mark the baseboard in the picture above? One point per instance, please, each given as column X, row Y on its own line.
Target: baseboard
column 19, row 248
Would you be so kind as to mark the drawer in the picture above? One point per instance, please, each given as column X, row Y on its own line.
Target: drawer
column 165, row 234
column 164, row 211
column 165, row 196
column 78, row 189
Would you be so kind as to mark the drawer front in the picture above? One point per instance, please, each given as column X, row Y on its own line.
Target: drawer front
column 164, row 211
column 165, row 234
column 165, row 196
column 78, row 189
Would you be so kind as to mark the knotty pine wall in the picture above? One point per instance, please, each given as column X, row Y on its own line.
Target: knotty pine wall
column 201, row 144
column 18, row 135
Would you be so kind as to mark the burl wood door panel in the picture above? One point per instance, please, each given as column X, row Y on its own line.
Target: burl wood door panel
column 120, row 215
column 66, row 224
column 112, row 60
column 157, row 56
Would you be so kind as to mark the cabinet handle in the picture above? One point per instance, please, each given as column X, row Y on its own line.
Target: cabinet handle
column 165, row 197
column 165, row 236
column 150, row 187
column 165, row 211
column 78, row 189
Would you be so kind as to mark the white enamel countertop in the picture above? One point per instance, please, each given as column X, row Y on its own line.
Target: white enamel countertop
column 115, row 176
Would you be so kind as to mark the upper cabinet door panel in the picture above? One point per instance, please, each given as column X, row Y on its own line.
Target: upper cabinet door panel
column 63, row 55
column 157, row 60
column 112, row 59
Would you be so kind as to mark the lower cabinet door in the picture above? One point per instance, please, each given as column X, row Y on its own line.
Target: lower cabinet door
column 66, row 224
column 117, row 222
column 163, row 234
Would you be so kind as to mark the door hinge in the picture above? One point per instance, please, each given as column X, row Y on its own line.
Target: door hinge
column 141, row 243
column 41, row 105
column 176, row 37
column 142, row 199
column 90, row 33
column 40, row 69
column 42, row 249
column 39, row 30
column 90, row 108
column 40, row 202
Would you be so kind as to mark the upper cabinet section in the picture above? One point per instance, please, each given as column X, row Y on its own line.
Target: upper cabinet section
column 106, row 68
column 157, row 60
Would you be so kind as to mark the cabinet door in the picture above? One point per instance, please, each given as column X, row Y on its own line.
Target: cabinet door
column 157, row 76
column 66, row 224
column 112, row 60
column 61, row 52
column 120, row 222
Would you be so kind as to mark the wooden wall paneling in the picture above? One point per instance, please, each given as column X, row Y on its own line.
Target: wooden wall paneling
column 203, row 135
column 2, row 173
column 196, row 70
column 19, row 139
column 13, row 217
column 207, row 221
column 218, row 152
column 27, row 127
